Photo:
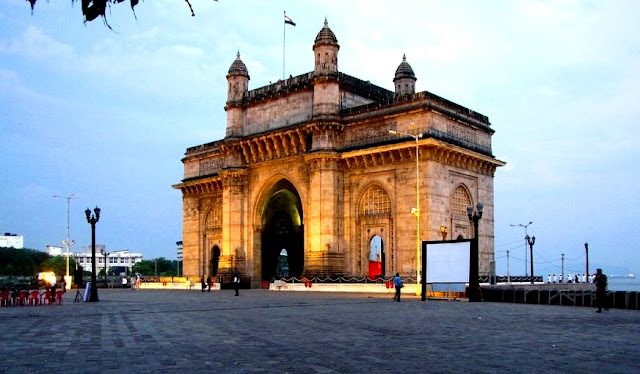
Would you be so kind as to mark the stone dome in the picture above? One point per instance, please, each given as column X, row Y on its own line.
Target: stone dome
column 404, row 70
column 238, row 67
column 326, row 36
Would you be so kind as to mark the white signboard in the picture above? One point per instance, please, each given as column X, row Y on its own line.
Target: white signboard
column 448, row 262
column 86, row 291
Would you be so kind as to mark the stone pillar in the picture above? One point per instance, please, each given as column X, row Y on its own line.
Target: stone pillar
column 234, row 244
column 191, row 241
column 324, row 239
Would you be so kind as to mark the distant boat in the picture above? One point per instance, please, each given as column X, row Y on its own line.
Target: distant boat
column 629, row 276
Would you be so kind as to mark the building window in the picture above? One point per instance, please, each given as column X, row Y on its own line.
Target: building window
column 375, row 201
column 460, row 201
column 214, row 218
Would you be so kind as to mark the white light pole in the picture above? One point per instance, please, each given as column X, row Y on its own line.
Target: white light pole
column 525, row 244
column 67, row 242
column 415, row 211
column 508, row 277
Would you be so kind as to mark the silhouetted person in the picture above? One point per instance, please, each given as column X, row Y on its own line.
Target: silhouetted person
column 209, row 283
column 236, row 284
column 601, row 290
column 397, row 283
column 202, row 284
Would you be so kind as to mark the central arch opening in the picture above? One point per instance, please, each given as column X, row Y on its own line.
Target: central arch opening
column 282, row 229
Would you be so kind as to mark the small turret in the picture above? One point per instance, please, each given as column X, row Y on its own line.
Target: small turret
column 238, row 78
column 405, row 79
column 325, row 50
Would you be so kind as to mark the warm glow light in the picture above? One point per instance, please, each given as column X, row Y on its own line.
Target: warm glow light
column 47, row 277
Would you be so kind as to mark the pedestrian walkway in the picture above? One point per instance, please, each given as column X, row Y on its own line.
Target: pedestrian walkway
column 262, row 331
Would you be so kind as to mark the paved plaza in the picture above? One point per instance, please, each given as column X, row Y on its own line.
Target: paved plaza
column 262, row 331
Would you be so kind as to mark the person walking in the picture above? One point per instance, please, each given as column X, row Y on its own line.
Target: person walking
column 601, row 290
column 397, row 283
column 202, row 284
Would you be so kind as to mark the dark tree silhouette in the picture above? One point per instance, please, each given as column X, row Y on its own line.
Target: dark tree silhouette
column 92, row 9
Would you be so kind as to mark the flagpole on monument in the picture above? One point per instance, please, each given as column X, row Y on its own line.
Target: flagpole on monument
column 284, row 38
column 287, row 20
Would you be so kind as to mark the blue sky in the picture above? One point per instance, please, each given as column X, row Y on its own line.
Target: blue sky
column 108, row 115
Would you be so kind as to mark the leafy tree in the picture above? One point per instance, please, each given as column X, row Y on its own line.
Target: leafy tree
column 57, row 264
column 23, row 261
column 92, row 9
column 143, row 267
column 164, row 267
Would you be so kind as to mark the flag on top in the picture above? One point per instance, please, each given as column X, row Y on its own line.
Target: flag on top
column 288, row 20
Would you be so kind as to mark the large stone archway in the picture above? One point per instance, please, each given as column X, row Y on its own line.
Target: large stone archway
column 282, row 228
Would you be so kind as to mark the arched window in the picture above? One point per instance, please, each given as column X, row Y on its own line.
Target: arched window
column 460, row 201
column 375, row 201
column 214, row 218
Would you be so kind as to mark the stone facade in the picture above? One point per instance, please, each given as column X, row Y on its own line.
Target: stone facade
column 308, row 165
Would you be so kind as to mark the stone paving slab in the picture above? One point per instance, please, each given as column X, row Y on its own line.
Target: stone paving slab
column 262, row 331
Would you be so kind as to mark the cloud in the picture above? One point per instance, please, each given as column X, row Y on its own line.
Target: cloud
column 34, row 44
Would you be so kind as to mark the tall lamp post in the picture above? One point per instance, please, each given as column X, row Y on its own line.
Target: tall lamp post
column 93, row 219
column 531, row 241
column 586, row 248
column 105, row 254
column 525, row 244
column 416, row 211
column 67, row 242
column 474, row 217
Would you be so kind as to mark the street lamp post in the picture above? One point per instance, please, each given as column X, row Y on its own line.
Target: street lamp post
column 93, row 219
column 105, row 254
column 586, row 248
column 525, row 244
column 67, row 242
column 416, row 211
column 531, row 242
column 474, row 217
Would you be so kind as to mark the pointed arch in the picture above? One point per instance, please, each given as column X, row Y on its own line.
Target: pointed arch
column 460, row 200
column 374, row 227
column 374, row 201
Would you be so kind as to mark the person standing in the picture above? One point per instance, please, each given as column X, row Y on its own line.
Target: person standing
column 236, row 284
column 397, row 283
column 601, row 290
column 209, row 283
column 202, row 284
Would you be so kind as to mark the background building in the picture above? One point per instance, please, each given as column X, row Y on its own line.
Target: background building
column 308, row 164
column 118, row 261
column 179, row 253
column 9, row 240
column 54, row 250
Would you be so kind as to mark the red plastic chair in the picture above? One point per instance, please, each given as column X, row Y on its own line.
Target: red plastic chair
column 22, row 297
column 34, row 298
column 5, row 298
column 46, row 297
column 59, row 294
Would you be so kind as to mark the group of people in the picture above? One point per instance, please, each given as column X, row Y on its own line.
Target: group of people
column 570, row 278
column 600, row 280
column 209, row 282
column 135, row 282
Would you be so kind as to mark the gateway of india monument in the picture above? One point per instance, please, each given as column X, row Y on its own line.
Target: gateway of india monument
column 309, row 165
